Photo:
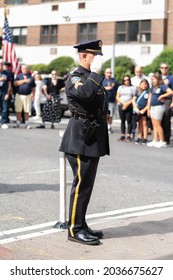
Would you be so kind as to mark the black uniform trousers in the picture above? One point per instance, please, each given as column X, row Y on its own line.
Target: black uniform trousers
column 84, row 171
column 166, row 121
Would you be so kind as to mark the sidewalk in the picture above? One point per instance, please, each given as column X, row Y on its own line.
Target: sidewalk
column 144, row 237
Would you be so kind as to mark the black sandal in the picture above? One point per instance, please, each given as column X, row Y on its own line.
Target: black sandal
column 122, row 138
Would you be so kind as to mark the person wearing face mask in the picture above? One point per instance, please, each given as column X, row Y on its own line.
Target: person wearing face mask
column 85, row 139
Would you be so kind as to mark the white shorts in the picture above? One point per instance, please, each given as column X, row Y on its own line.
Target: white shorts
column 111, row 108
column 22, row 102
column 157, row 112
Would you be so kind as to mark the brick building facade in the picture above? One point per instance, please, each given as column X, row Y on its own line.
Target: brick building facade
column 46, row 29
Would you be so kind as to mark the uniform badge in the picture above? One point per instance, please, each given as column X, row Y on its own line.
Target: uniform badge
column 75, row 79
column 158, row 90
column 146, row 96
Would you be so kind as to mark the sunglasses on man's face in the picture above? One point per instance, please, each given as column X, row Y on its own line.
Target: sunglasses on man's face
column 164, row 67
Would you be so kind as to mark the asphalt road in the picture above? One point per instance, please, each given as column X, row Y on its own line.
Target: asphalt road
column 132, row 176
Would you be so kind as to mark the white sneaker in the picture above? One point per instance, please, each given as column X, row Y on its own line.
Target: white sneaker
column 28, row 126
column 36, row 118
column 152, row 144
column 4, row 126
column 161, row 144
column 110, row 131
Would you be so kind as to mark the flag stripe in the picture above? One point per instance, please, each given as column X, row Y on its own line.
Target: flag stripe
column 9, row 53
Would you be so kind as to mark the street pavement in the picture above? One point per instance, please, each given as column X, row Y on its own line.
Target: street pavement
column 141, row 236
column 137, row 233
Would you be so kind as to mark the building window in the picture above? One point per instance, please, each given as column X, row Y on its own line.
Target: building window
column 53, row 51
column 145, row 2
column 16, row 2
column 133, row 31
column 55, row 7
column 19, row 35
column 44, row 1
column 145, row 50
column 48, row 34
column 81, row 6
column 87, row 31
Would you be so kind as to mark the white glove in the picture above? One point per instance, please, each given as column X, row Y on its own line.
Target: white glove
column 96, row 64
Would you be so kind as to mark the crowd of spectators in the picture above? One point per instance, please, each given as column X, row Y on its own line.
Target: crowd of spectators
column 142, row 103
column 144, row 106
column 24, row 93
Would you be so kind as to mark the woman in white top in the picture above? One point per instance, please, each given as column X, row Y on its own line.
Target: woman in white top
column 40, row 90
column 124, row 98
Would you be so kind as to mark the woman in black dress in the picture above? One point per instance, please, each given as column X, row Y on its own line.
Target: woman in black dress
column 51, row 110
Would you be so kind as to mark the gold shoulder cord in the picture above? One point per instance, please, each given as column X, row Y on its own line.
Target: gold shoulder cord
column 94, row 81
column 102, row 88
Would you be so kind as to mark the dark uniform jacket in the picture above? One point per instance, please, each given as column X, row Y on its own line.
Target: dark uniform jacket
column 87, row 101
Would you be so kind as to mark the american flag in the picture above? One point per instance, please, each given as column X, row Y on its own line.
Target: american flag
column 9, row 53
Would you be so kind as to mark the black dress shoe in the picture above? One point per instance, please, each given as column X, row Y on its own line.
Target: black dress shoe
column 84, row 237
column 40, row 126
column 97, row 233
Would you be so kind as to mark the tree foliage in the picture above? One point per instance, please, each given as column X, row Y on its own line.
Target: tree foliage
column 62, row 65
column 165, row 56
column 123, row 66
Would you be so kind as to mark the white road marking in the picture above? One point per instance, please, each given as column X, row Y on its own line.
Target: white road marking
column 39, row 172
column 101, row 217
column 29, row 235
column 34, row 227
column 138, row 208
column 136, row 214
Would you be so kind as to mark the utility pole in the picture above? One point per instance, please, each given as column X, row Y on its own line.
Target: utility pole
column 113, row 60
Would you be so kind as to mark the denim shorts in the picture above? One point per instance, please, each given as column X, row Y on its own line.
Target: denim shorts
column 111, row 108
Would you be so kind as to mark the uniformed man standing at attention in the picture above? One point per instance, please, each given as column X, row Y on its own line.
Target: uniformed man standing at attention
column 86, row 137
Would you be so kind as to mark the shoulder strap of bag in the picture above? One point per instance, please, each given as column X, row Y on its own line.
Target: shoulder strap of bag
column 142, row 94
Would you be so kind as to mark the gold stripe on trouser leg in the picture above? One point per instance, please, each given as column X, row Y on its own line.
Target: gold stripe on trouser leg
column 73, row 215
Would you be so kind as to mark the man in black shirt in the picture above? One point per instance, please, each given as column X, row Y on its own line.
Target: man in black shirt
column 4, row 95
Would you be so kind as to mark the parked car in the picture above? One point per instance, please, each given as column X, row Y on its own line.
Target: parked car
column 63, row 103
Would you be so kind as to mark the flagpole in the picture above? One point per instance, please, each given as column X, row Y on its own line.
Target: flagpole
column 8, row 50
column 5, row 14
column 5, row 9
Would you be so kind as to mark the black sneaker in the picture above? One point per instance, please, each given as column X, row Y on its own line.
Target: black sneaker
column 40, row 126
column 144, row 141
column 138, row 141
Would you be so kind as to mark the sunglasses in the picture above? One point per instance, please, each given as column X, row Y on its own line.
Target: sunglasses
column 164, row 67
column 126, row 80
